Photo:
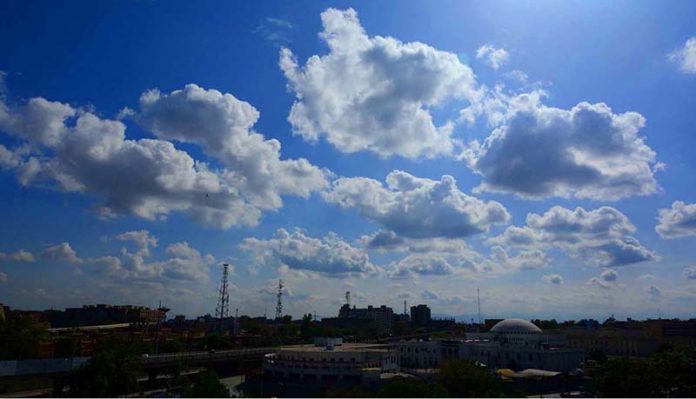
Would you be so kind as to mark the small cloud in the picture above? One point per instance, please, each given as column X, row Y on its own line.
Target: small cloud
column 552, row 279
column 275, row 30
column 3, row 277
column 655, row 291
column 685, row 56
column 494, row 57
column 690, row 272
column 609, row 275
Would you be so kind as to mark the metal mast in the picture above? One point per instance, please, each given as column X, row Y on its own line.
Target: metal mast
column 405, row 312
column 222, row 310
column 478, row 296
column 279, row 305
column 348, row 298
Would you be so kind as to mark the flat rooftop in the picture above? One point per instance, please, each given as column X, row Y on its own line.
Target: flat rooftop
column 345, row 347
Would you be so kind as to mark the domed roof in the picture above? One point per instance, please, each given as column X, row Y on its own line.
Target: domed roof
column 515, row 326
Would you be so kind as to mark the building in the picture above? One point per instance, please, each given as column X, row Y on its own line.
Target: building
column 420, row 315
column 383, row 316
column 513, row 343
column 331, row 362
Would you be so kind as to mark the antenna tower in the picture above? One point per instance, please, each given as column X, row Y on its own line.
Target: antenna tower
column 279, row 305
column 222, row 310
column 348, row 298
column 478, row 298
column 405, row 307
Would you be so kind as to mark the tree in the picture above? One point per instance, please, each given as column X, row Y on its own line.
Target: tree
column 465, row 379
column 112, row 371
column 19, row 338
column 411, row 388
column 666, row 374
column 207, row 385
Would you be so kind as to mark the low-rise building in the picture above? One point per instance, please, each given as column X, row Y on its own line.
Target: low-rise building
column 329, row 361
column 513, row 343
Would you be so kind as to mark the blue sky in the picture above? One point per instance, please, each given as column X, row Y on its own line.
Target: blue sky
column 541, row 151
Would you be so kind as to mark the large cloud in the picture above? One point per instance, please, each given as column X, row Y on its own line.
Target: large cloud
column 601, row 236
column 222, row 125
column 374, row 93
column 418, row 208
column 61, row 252
column 677, row 221
column 538, row 151
column 79, row 152
column 328, row 255
column 686, row 56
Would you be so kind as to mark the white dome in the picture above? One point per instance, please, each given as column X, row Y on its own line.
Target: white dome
column 515, row 326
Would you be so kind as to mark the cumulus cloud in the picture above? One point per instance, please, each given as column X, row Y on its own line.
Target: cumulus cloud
column 596, row 281
column 76, row 151
column 690, row 272
column 329, row 255
column 420, row 264
column 61, row 252
column 538, row 151
column 677, row 221
column 223, row 126
column 685, row 56
column 494, row 57
column 417, row 208
column 552, row 279
column 601, row 236
column 374, row 93
column 17, row 256
column 141, row 237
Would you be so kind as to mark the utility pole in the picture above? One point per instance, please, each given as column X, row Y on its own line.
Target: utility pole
column 478, row 297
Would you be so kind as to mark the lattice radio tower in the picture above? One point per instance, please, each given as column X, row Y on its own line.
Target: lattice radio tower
column 279, row 305
column 348, row 298
column 222, row 310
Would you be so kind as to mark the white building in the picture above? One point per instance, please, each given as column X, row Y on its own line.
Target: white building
column 511, row 343
column 330, row 361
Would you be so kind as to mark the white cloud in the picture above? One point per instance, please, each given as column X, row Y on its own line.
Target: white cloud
column 494, row 57
column 690, row 272
column 17, row 256
column 3, row 277
column 417, row 208
column 552, row 279
column 421, row 264
column 601, row 236
column 609, row 275
column 599, row 283
column 61, row 252
column 677, row 221
column 655, row 291
column 329, row 256
column 78, row 152
column 141, row 237
column 686, row 56
column 223, row 126
column 539, row 151
column 374, row 93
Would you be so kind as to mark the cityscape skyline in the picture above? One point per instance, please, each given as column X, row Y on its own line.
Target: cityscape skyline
column 413, row 155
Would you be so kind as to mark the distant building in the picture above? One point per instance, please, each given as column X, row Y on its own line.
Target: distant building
column 512, row 343
column 420, row 315
column 329, row 361
column 383, row 316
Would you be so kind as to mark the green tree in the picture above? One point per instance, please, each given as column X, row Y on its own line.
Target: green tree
column 207, row 385
column 112, row 371
column 465, row 379
column 411, row 388
column 19, row 338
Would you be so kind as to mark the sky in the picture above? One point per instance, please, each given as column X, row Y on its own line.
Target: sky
column 541, row 152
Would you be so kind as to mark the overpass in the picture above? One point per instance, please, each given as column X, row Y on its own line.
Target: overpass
column 9, row 368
